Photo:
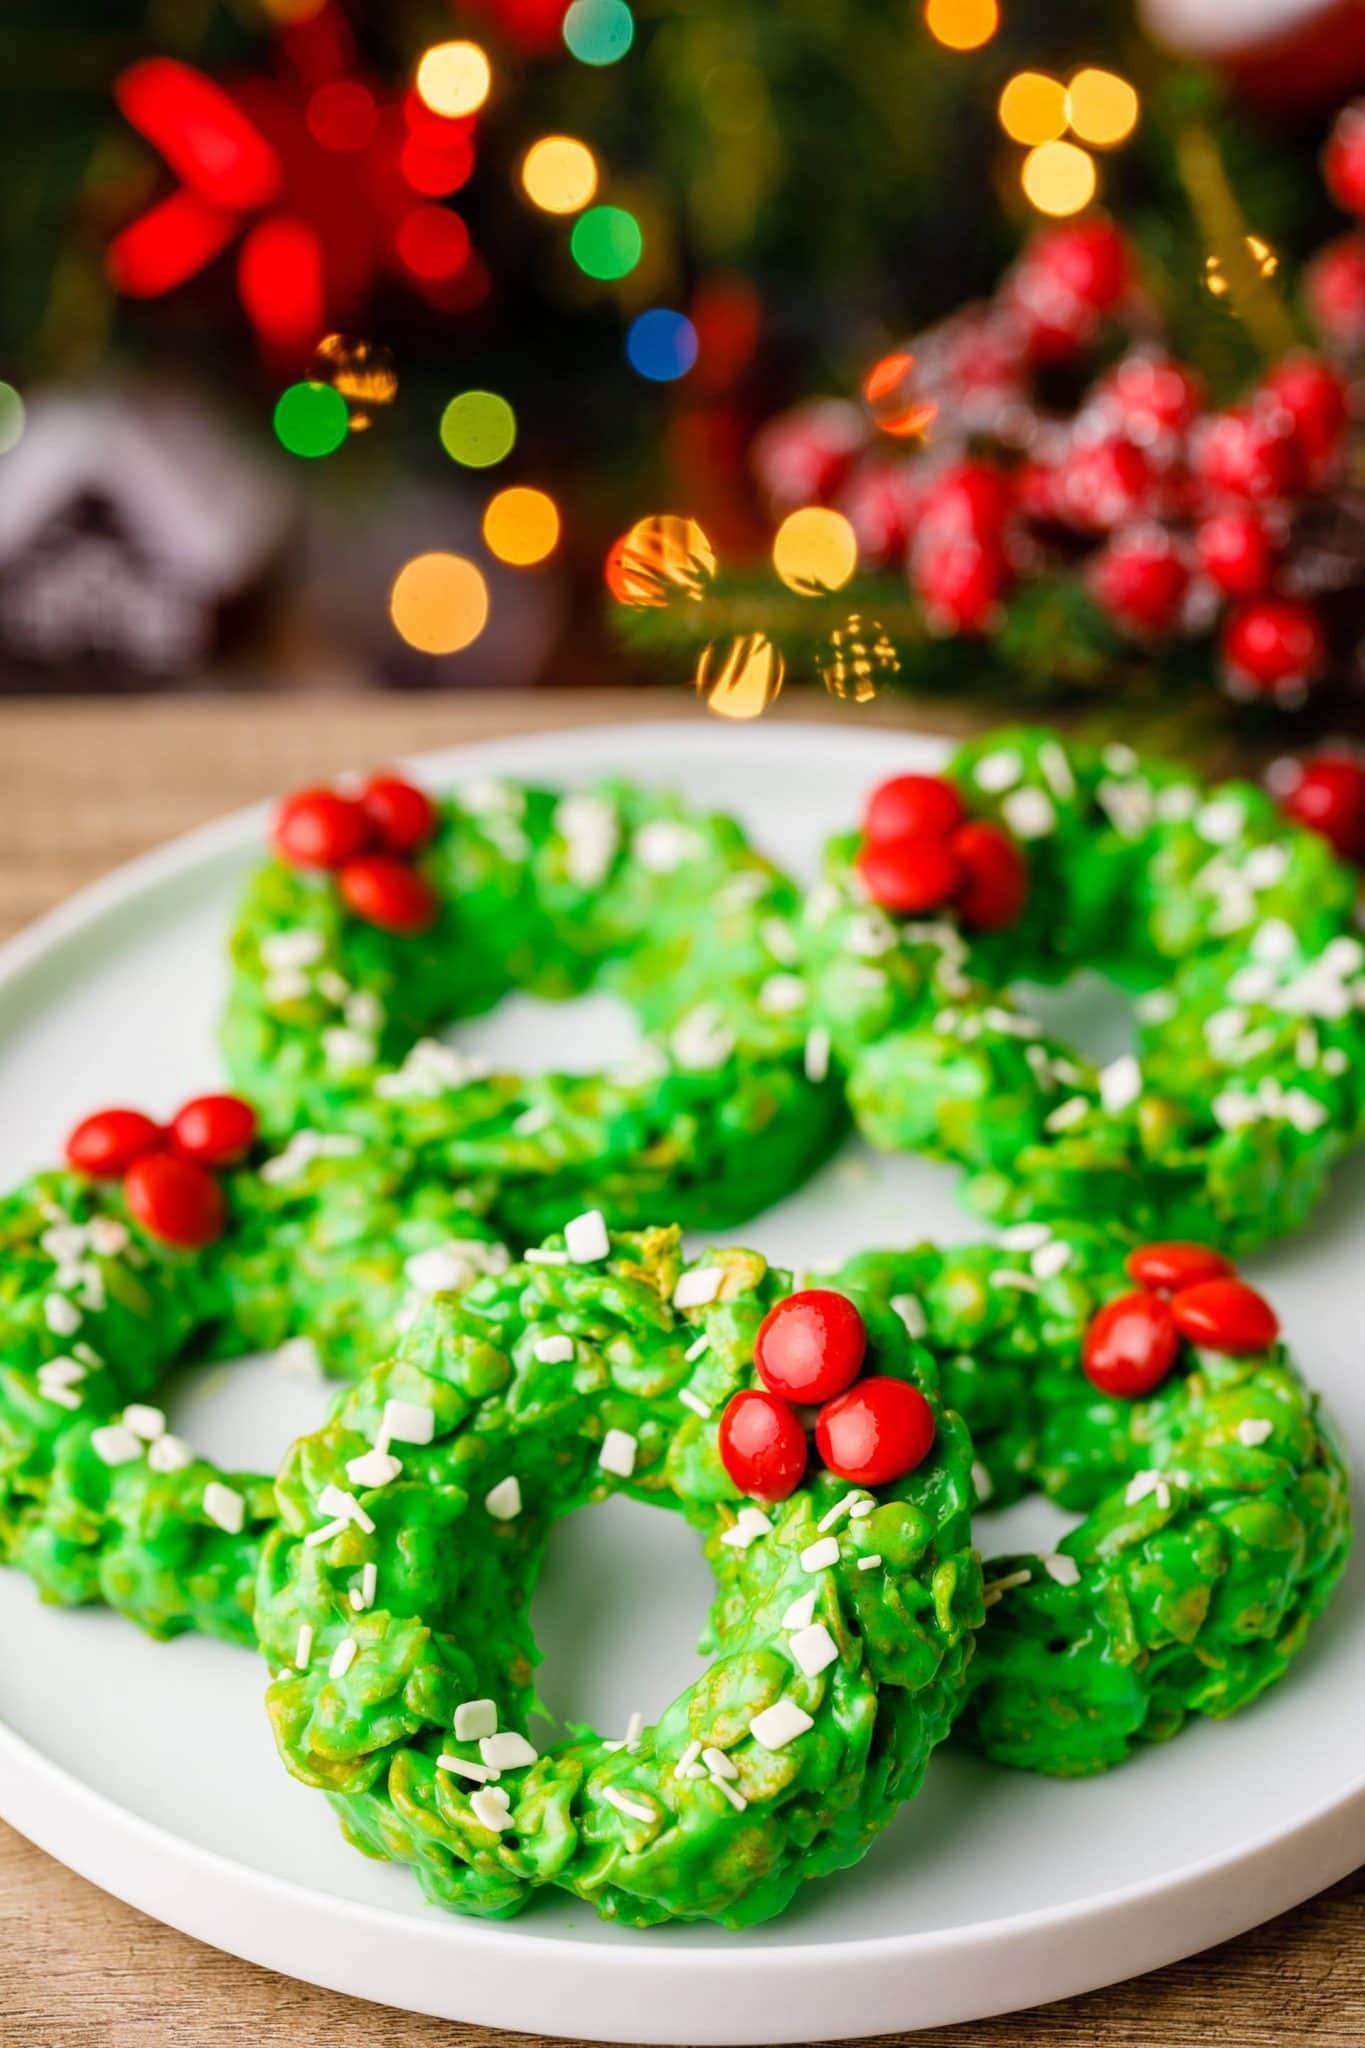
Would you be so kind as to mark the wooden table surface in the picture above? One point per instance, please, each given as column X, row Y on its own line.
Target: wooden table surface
column 84, row 785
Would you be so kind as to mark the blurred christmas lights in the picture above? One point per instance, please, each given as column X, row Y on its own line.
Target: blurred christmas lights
column 599, row 31
column 1101, row 107
column 661, row 345
column 606, row 242
column 962, row 24
column 362, row 371
column 558, row 174
column 1263, row 258
column 454, row 79
column 1058, row 178
column 662, row 557
column 740, row 678
column 478, row 429
column 311, row 419
column 439, row 603
column 815, row 550
column 1033, row 108
column 521, row 526
column 889, row 390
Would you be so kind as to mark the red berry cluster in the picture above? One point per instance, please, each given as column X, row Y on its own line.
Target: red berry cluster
column 809, row 1352
column 921, row 852
column 1326, row 792
column 368, row 841
column 1184, row 1291
column 168, row 1171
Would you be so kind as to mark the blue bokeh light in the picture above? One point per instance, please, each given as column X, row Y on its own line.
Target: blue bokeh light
column 661, row 345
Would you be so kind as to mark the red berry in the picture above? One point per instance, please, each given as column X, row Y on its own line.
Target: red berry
column 1274, row 646
column 881, row 502
column 1090, row 259
column 402, row 817
column 876, row 1432
column 1140, row 579
column 1235, row 552
column 1225, row 1315
column 176, row 1199
column 969, row 502
column 912, row 807
column 810, row 1345
column 1329, row 798
column 1343, row 160
column 217, row 1130
column 1130, row 1346
column 1152, row 398
column 994, row 885
column 804, row 455
column 762, row 1444
column 960, row 583
column 1314, row 396
column 1168, row 1267
column 1252, row 451
column 1334, row 284
column 389, row 893
column 316, row 828
column 909, row 875
column 1100, row 484
column 106, row 1144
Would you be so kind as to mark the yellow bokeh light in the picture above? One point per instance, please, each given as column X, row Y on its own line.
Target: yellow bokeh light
column 662, row 557
column 521, row 526
column 1033, row 107
column 439, row 603
column 1100, row 107
column 740, row 678
column 962, row 24
column 1058, row 178
column 454, row 79
column 1263, row 257
column 815, row 550
column 558, row 174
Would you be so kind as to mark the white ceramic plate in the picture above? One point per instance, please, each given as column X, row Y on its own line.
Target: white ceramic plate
column 148, row 1767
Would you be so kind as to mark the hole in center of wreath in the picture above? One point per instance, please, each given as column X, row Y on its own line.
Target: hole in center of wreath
column 524, row 1034
column 244, row 1413
column 1088, row 1012
column 618, row 1611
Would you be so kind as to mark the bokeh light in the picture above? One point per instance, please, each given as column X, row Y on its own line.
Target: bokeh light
column 11, row 418
column 478, row 428
column 1101, row 107
column 454, row 79
column 661, row 345
column 559, row 174
column 1058, row 178
column 815, row 550
column 311, row 419
column 606, row 242
column 889, row 389
column 661, row 558
column 362, row 371
column 439, row 603
column 859, row 659
column 433, row 242
column 962, row 24
column 1262, row 256
column 740, row 678
column 342, row 116
column 1033, row 107
column 434, row 163
column 599, row 31
column 521, row 526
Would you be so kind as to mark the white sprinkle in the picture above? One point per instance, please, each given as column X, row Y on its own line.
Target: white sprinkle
column 148, row 1423
column 617, row 1454
column 814, row 1647
column 817, row 1557
column 343, row 1657
column 334, row 1500
column 1253, row 1431
column 1064, row 1571
column 490, row 1808
column 996, row 1589
column 982, row 1482
column 303, row 1648
column 1067, row 1114
column 780, row 940
column 1119, row 759
column 553, row 1350
column 870, row 935
column 683, row 1767
column 1264, row 866
column 731, row 1792
column 703, row 1039
column 442, row 1268
column 62, row 1317
column 719, row 1764
column 781, row 994
column 1056, row 770
column 870, row 1562
column 910, row 1309
column 636, row 1809
column 1120, row 1083
column 1158, row 1006
column 1254, row 983
column 532, row 1120
column 862, row 1508
column 475, row 1719
column 507, row 1751
column 1025, row 1283
column 362, row 1596
column 833, row 1516
column 297, row 948
column 591, row 831
column 1029, row 813
column 1335, row 1062
column 334, row 986
column 817, row 1055
column 57, row 1394
column 108, row 1236
column 300, row 1358
column 801, row 1612
column 1274, row 942
column 1140, row 1485
column 1025, row 1237
column 585, row 1238
column 408, row 1422
column 326, row 1532
column 344, row 1048
column 463, row 1768
column 780, row 1724
column 693, row 1401
column 225, row 1506
column 544, row 1255
column 1220, row 822
column 998, row 771
column 115, row 1445
column 697, row 1347
column 1051, row 1259
column 503, row 1501
column 364, row 1011
column 633, row 1729
column 431, row 1068
column 302, row 1150
column 373, row 1468
column 664, row 844
column 698, row 1286
column 288, row 986
column 749, row 1525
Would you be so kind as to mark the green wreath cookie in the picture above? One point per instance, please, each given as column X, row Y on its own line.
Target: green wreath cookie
column 1215, row 1498
column 1234, row 930
column 395, row 1593
column 387, row 916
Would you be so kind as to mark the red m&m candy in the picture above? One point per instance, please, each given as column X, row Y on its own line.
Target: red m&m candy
column 316, row 828
column 810, row 1345
column 403, row 817
column 175, row 1199
column 876, row 1432
column 994, row 884
column 1130, row 1346
column 909, row 876
column 762, row 1444
column 1225, row 1315
column 217, row 1130
column 387, row 892
column 106, row 1144
column 912, row 807
column 1169, row 1267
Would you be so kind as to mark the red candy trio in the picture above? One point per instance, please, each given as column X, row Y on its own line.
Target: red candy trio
column 168, row 1174
column 368, row 841
column 921, row 852
column 810, row 1348
column 1185, row 1291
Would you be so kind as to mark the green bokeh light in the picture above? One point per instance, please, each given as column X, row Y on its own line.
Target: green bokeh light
column 478, row 429
column 311, row 419
column 606, row 242
column 599, row 31
column 11, row 417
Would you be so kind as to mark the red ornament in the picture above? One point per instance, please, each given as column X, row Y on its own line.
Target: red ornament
column 1140, row 579
column 1166, row 1268
column 1235, row 552
column 1314, row 396
column 1088, row 259
column 1329, row 798
column 762, row 1444
column 1102, row 484
column 175, row 1199
column 1225, row 1315
column 1251, row 451
column 1131, row 1345
column 106, row 1144
column 402, row 817
column 803, row 457
column 316, row 828
column 1151, row 399
column 1343, row 160
column 994, row 885
column 969, row 502
column 389, row 893
column 1334, row 285
column 217, row 1130
column 912, row 807
column 960, row 583
column 1274, row 646
column 810, row 1345
column 876, row 1432
column 909, row 876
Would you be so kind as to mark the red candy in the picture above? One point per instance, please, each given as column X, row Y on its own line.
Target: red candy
column 1140, row 579
column 402, row 817
column 811, row 1345
column 1314, row 396
column 1131, row 1345
column 762, row 1445
column 387, row 892
column 909, row 875
column 316, row 828
column 994, row 885
column 1234, row 551
column 217, row 1130
column 106, row 1144
column 912, row 807
column 1225, row 1315
column 876, row 1432
column 1329, row 798
column 1251, row 451
column 1166, row 1268
column 175, row 1199
column 1274, row 645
